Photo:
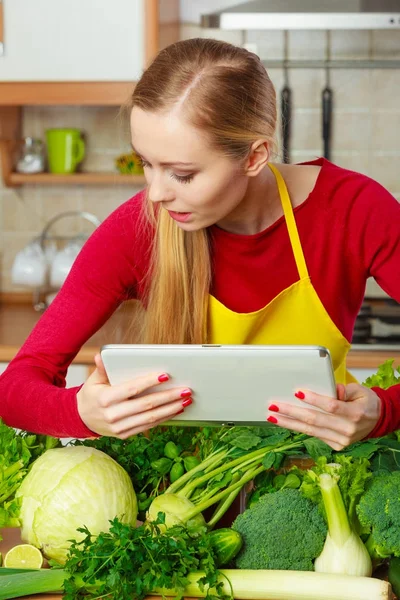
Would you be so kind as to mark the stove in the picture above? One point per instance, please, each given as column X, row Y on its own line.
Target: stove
column 378, row 323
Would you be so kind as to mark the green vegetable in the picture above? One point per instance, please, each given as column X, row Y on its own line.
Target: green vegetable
column 344, row 551
column 241, row 585
column 283, row 530
column 190, row 462
column 177, row 470
column 226, row 543
column 137, row 454
column 162, row 465
column 385, row 376
column 171, row 450
column 239, row 456
column 17, row 452
column 379, row 515
column 67, row 488
column 124, row 563
column 394, row 575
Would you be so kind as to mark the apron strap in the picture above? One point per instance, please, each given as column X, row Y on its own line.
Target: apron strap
column 290, row 223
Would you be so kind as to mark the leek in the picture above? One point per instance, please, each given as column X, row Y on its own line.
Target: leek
column 240, row 584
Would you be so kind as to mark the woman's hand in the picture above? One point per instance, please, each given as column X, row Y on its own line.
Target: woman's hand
column 114, row 410
column 347, row 419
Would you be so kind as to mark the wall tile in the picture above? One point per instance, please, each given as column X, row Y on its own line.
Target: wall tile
column 385, row 132
column 306, row 86
column 386, row 44
column 350, row 44
column 354, row 161
column 385, row 84
column 56, row 200
column 306, row 131
column 351, row 88
column 269, row 44
column 351, row 132
column 189, row 30
column 307, row 45
column 102, row 201
column 22, row 211
column 100, row 160
column 385, row 169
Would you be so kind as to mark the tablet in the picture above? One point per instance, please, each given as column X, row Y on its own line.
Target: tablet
column 232, row 385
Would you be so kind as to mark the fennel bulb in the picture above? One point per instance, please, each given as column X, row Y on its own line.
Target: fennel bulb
column 177, row 510
column 72, row 487
column 343, row 551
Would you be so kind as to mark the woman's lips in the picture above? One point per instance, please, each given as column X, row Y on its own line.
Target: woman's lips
column 179, row 216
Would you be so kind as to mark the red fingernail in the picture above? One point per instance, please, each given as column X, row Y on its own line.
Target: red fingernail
column 187, row 402
column 274, row 408
column 180, row 412
column 300, row 395
column 272, row 420
column 186, row 393
column 163, row 377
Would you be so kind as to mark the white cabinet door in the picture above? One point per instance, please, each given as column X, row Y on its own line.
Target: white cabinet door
column 362, row 374
column 76, row 375
column 3, row 366
column 72, row 40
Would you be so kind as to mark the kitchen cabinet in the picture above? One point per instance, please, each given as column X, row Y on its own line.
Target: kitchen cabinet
column 74, row 52
column 72, row 40
column 77, row 374
column 361, row 374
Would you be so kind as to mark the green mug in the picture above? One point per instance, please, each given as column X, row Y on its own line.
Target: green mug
column 65, row 150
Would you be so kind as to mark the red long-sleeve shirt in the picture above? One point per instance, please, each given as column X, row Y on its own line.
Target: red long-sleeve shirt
column 349, row 227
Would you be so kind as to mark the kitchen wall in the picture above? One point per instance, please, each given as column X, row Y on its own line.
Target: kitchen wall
column 365, row 136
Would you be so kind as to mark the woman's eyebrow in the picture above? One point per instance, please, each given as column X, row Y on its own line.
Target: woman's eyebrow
column 166, row 164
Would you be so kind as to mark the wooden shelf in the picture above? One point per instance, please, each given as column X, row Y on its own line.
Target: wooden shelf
column 71, row 93
column 16, row 179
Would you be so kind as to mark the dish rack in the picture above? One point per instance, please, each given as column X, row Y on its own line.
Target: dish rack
column 40, row 304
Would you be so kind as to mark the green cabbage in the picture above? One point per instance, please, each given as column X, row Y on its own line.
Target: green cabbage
column 72, row 487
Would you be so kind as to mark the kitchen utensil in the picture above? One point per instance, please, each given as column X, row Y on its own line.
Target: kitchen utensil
column 31, row 156
column 327, row 106
column 62, row 263
column 30, row 266
column 65, row 150
column 286, row 109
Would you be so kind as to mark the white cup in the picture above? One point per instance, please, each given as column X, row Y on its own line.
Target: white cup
column 29, row 268
column 62, row 263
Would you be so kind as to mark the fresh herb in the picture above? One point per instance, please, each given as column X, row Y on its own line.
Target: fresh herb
column 129, row 562
column 238, row 457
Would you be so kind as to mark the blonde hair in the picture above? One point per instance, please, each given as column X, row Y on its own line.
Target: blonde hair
column 225, row 92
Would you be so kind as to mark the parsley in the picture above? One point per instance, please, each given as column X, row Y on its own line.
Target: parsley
column 130, row 562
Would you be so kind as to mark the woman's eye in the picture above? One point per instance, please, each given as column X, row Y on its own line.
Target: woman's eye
column 182, row 178
column 143, row 163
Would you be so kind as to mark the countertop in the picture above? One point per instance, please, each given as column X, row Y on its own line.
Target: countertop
column 17, row 320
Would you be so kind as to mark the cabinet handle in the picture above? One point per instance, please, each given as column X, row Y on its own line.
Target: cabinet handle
column 1, row 28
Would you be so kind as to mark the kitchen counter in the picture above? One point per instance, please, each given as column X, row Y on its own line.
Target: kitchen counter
column 17, row 320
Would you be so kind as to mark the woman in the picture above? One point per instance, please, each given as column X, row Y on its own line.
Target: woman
column 224, row 247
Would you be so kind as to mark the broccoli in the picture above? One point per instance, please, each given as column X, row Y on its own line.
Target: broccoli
column 283, row 530
column 379, row 515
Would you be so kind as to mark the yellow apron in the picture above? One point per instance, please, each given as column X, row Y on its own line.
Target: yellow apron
column 295, row 316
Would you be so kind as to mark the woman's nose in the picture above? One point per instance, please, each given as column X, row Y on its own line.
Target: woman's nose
column 158, row 191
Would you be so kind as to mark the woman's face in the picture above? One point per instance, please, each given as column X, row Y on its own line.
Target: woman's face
column 195, row 184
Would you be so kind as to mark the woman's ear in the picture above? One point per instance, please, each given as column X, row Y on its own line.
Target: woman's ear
column 257, row 159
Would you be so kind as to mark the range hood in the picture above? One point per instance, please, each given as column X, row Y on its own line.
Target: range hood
column 307, row 14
